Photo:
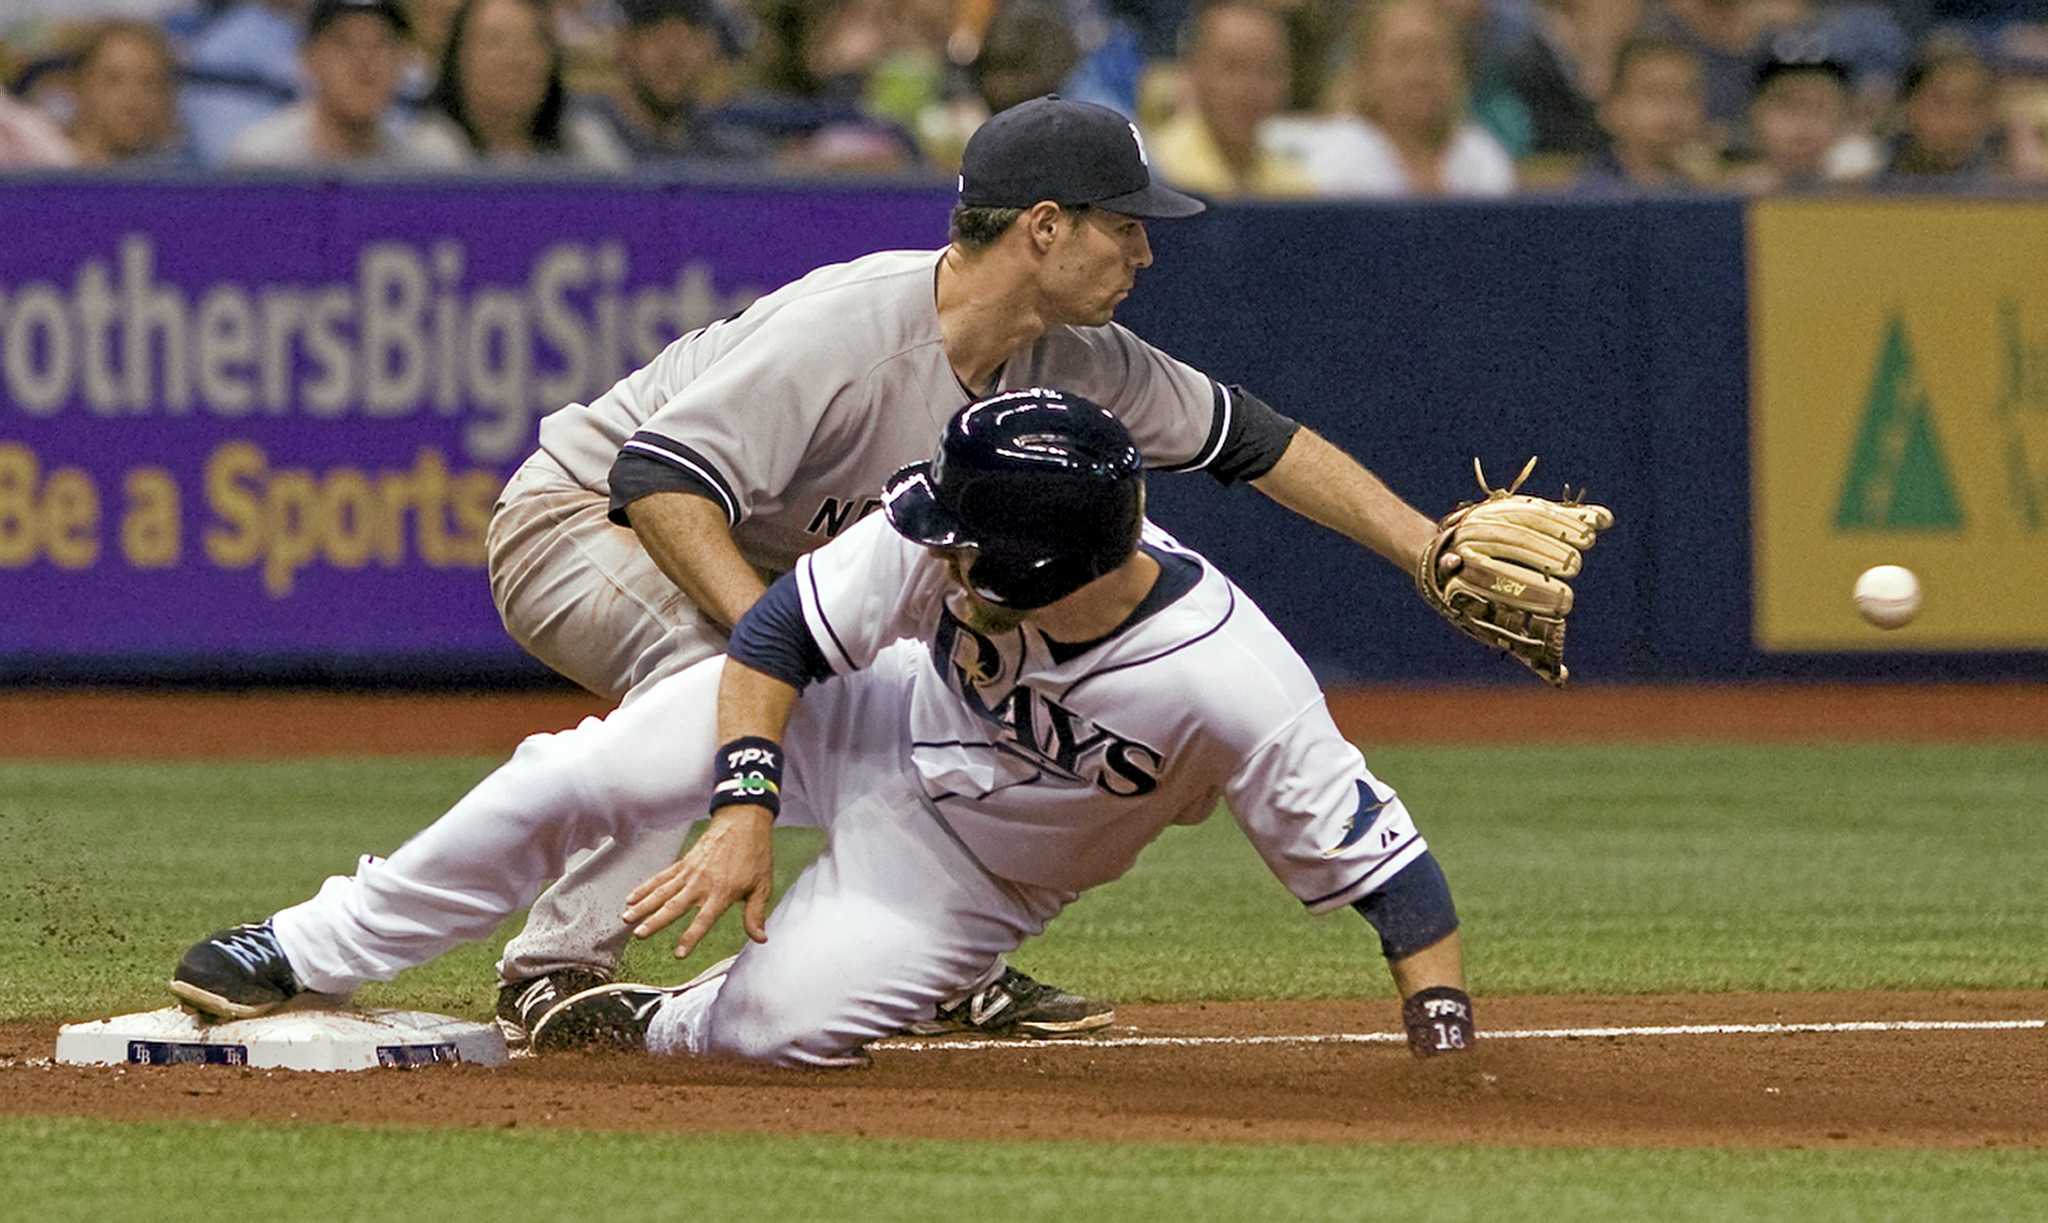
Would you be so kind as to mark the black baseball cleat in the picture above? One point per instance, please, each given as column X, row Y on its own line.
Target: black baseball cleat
column 604, row 1017
column 237, row 973
column 521, row 1003
column 1015, row 1004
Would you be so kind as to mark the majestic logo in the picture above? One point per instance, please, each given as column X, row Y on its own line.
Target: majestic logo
column 1898, row 479
column 1032, row 725
column 1369, row 811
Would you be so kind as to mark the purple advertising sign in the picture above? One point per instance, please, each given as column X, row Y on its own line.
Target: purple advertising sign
column 270, row 420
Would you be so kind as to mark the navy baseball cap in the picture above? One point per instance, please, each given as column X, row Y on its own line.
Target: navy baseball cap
column 699, row 13
column 1798, row 51
column 325, row 13
column 1070, row 153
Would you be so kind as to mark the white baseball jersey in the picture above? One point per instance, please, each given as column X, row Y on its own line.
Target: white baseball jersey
column 970, row 787
column 791, row 414
column 1056, row 764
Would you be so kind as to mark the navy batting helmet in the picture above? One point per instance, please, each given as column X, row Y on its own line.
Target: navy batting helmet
column 1046, row 487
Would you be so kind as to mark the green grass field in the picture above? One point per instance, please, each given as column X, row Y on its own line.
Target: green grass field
column 1577, row 870
column 94, row 1171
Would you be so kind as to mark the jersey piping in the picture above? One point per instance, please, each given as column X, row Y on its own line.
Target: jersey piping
column 1229, row 609
column 845, row 657
column 1364, row 882
column 1219, row 432
column 1177, row 576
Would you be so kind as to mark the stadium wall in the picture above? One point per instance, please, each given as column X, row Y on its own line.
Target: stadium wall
column 252, row 431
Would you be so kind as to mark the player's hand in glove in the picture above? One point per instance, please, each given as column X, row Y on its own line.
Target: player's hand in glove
column 1497, row 569
column 733, row 860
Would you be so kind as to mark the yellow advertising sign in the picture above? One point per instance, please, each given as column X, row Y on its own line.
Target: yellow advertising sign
column 1899, row 415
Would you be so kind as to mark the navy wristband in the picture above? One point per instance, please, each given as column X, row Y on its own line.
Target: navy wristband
column 1439, row 1021
column 748, row 772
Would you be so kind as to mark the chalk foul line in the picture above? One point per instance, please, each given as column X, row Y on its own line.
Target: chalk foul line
column 1394, row 1038
column 1085, row 1043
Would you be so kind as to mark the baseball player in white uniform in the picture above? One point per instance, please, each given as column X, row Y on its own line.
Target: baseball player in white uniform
column 651, row 520
column 1010, row 684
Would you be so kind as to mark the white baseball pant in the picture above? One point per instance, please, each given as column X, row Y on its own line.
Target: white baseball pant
column 893, row 918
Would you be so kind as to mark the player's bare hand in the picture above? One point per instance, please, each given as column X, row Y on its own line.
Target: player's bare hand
column 732, row 861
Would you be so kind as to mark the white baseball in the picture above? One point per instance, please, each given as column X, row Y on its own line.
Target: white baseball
column 1888, row 595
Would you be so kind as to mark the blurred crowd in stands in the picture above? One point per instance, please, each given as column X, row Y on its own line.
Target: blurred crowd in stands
column 1265, row 98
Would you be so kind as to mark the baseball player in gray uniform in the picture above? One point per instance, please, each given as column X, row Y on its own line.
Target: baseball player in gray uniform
column 650, row 520
column 1010, row 683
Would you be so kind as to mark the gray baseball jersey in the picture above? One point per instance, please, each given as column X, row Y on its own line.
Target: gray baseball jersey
column 791, row 414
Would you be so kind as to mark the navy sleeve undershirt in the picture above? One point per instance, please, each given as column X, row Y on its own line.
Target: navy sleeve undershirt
column 773, row 639
column 1258, row 437
column 1412, row 910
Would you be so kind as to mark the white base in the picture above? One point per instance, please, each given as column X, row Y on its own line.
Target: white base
column 290, row 1040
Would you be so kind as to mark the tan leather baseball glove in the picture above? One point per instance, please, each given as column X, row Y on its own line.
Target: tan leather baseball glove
column 1514, row 552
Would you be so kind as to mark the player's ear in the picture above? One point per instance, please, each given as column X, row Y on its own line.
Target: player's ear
column 1042, row 223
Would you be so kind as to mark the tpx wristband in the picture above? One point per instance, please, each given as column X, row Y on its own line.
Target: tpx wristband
column 748, row 772
column 1439, row 1021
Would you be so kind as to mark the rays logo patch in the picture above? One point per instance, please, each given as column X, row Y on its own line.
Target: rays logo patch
column 1368, row 813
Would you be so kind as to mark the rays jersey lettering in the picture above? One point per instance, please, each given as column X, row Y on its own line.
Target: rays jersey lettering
column 1030, row 724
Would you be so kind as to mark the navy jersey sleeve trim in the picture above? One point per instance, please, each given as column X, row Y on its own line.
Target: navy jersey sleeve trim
column 650, row 463
column 1261, row 436
column 1247, row 437
column 1222, row 410
column 773, row 638
column 1370, row 879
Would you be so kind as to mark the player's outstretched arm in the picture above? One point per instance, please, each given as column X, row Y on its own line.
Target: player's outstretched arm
column 733, row 860
column 1323, row 484
column 1418, row 928
column 689, row 538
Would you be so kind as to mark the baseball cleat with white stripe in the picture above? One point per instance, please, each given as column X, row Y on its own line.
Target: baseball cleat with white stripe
column 1015, row 1004
column 237, row 973
column 614, row 1016
column 522, row 1003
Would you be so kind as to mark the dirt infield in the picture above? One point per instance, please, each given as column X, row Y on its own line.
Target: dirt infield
column 114, row 725
column 1859, row 1089
column 1890, row 1088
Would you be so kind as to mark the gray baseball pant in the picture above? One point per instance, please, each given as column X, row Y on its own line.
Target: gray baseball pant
column 579, row 593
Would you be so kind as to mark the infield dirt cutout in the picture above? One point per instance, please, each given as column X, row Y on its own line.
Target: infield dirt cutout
column 1973, row 1088
column 265, row 724
column 1950, row 1089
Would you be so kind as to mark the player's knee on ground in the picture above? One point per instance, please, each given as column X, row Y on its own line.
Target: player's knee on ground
column 829, row 979
column 783, row 1032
